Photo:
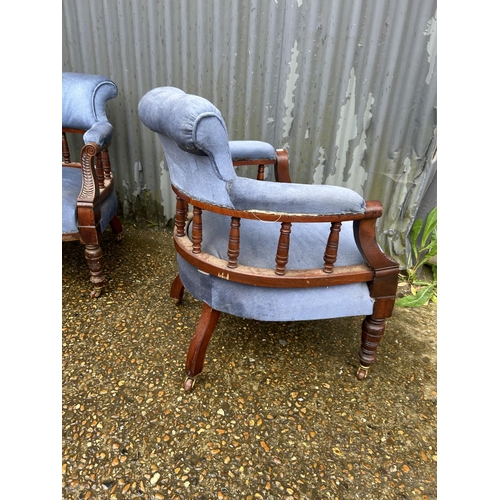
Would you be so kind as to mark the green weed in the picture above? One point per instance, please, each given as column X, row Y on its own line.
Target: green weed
column 421, row 253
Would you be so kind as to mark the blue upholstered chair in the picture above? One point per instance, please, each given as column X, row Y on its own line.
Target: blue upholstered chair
column 269, row 251
column 89, row 201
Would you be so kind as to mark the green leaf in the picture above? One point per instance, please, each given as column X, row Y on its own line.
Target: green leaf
column 415, row 231
column 430, row 226
column 418, row 300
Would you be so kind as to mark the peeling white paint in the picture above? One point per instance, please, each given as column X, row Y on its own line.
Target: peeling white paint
column 319, row 170
column 166, row 192
column 290, row 87
column 347, row 129
column 299, row 3
column 137, row 178
column 357, row 172
column 431, row 32
column 404, row 175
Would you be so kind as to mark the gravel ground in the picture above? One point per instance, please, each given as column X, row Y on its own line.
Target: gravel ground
column 277, row 414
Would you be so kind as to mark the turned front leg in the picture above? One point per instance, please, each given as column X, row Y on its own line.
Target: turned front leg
column 94, row 257
column 372, row 332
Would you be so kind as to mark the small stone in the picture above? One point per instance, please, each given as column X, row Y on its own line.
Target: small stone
column 155, row 478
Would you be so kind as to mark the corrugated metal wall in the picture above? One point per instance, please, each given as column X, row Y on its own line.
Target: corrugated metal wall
column 348, row 87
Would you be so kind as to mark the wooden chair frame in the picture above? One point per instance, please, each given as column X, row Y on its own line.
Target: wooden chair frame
column 379, row 271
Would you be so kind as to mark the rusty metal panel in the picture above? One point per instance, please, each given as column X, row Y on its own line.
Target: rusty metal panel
column 348, row 87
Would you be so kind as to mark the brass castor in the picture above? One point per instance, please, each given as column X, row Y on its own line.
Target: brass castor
column 362, row 372
column 189, row 384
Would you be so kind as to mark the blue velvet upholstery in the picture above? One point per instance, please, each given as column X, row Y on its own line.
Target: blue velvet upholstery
column 251, row 150
column 194, row 138
column 84, row 105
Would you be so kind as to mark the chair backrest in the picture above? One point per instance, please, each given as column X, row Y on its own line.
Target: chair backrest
column 84, row 100
column 195, row 142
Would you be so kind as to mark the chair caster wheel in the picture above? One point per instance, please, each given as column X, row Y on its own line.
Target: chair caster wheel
column 189, row 384
column 362, row 372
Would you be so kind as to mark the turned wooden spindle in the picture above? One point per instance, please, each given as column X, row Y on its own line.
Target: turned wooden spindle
column 197, row 230
column 233, row 248
column 332, row 247
column 99, row 170
column 180, row 217
column 106, row 165
column 260, row 172
column 65, row 149
column 283, row 246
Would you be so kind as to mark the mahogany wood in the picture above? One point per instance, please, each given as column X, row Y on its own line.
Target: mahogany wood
column 93, row 254
column 332, row 247
column 199, row 343
column 106, row 165
column 233, row 249
column 180, row 217
column 65, row 149
column 177, row 289
column 196, row 235
column 281, row 168
column 283, row 247
column 372, row 331
column 260, row 276
column 260, row 172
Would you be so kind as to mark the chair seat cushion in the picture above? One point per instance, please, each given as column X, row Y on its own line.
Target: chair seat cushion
column 71, row 187
column 258, row 243
column 293, row 198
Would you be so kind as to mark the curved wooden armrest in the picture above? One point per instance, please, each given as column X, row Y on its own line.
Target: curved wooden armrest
column 90, row 183
column 385, row 269
column 97, row 178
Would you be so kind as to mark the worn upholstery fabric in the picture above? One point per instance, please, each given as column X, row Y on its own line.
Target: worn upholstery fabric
column 291, row 198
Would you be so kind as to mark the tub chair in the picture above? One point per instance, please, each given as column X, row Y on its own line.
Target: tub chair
column 269, row 251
